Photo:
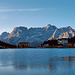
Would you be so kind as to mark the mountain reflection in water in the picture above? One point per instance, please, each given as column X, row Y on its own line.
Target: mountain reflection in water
column 50, row 66
column 37, row 62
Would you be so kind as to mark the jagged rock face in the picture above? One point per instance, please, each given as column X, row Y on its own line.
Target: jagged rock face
column 3, row 35
column 36, row 36
column 66, row 32
column 19, row 34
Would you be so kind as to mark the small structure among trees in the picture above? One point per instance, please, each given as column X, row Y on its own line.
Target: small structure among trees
column 50, row 43
column 23, row 45
column 63, row 41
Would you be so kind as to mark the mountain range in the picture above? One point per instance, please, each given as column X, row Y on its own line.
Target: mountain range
column 36, row 36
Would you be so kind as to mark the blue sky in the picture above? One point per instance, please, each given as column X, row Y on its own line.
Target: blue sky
column 36, row 13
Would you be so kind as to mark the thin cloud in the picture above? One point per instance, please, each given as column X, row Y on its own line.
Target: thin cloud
column 12, row 10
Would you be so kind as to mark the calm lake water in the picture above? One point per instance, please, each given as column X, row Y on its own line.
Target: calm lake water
column 40, row 61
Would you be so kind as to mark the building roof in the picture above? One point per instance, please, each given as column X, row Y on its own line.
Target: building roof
column 22, row 42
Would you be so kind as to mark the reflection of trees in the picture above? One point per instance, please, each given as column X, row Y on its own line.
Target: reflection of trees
column 20, row 67
column 30, row 66
column 52, row 67
column 38, row 66
column 68, row 58
column 62, row 62
column 23, row 61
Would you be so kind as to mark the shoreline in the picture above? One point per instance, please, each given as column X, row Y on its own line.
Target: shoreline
column 38, row 47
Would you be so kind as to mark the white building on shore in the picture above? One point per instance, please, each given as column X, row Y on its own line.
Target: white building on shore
column 63, row 41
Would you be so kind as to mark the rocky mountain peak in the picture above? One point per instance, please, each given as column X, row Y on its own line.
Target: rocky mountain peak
column 49, row 26
column 19, row 28
column 68, row 27
column 3, row 35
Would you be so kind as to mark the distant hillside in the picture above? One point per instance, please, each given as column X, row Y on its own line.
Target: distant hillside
column 36, row 36
column 6, row 45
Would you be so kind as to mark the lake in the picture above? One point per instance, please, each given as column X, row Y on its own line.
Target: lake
column 37, row 61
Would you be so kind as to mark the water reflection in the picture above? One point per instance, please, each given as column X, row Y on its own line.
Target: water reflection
column 49, row 66
column 52, row 67
column 20, row 67
column 40, row 62
column 68, row 58
column 31, row 66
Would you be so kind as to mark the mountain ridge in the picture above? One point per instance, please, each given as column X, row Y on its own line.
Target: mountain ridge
column 36, row 36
